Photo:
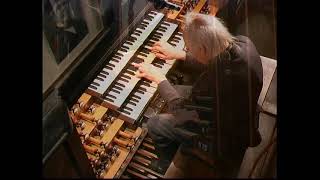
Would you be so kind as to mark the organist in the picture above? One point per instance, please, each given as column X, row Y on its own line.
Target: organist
column 207, row 42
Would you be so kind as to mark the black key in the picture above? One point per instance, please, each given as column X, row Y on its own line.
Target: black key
column 145, row 22
column 177, row 38
column 112, row 65
column 115, row 60
column 124, row 111
column 139, row 91
column 130, row 72
column 135, row 96
column 129, row 43
column 142, row 27
column 130, row 40
column 123, row 46
column 123, row 49
column 150, row 43
column 142, row 89
column 125, row 76
column 109, row 95
column 153, row 13
column 132, row 103
column 100, row 78
column 136, row 34
column 151, row 17
column 145, row 50
column 134, row 100
column 128, row 108
column 148, row 18
column 115, row 91
column 148, row 81
column 103, row 72
column 119, row 84
column 123, row 80
column 119, row 88
column 163, row 27
column 131, row 67
column 116, row 56
column 158, row 34
column 163, row 30
column 140, row 32
column 155, row 39
column 134, row 38
column 164, row 23
column 108, row 99
column 160, row 60
column 108, row 67
column 142, row 54
column 157, row 65
column 102, row 75
column 93, row 87
column 137, row 60
column 145, row 83
column 172, row 44
column 157, row 61
column 119, row 54
column 94, row 83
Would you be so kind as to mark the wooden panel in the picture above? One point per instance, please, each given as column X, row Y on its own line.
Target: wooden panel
column 99, row 112
column 213, row 10
column 199, row 6
column 112, row 131
column 174, row 14
column 117, row 163
column 87, row 129
column 85, row 98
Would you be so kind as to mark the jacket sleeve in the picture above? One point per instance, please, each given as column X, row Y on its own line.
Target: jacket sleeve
column 169, row 93
column 176, row 103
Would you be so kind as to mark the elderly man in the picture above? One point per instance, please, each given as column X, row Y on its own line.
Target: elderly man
column 207, row 42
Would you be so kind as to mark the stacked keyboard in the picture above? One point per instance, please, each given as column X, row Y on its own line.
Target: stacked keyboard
column 117, row 86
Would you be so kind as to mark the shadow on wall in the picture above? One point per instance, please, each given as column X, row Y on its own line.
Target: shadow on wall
column 261, row 26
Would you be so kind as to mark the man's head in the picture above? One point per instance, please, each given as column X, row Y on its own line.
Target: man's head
column 205, row 36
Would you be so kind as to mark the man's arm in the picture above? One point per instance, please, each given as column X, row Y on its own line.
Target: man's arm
column 171, row 96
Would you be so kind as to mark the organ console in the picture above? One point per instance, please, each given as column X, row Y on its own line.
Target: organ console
column 109, row 110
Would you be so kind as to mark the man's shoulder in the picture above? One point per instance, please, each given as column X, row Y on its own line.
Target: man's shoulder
column 243, row 39
column 245, row 46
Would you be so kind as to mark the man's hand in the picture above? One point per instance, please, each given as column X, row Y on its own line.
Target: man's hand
column 149, row 72
column 164, row 50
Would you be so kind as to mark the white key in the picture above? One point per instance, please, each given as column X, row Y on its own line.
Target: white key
column 137, row 110
column 164, row 68
column 104, row 85
column 150, row 89
column 120, row 98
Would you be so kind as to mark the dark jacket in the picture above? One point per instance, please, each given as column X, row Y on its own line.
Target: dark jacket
column 231, row 83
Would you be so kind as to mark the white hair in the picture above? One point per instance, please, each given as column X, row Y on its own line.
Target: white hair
column 206, row 32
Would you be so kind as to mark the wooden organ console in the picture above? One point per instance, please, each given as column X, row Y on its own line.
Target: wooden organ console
column 108, row 115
